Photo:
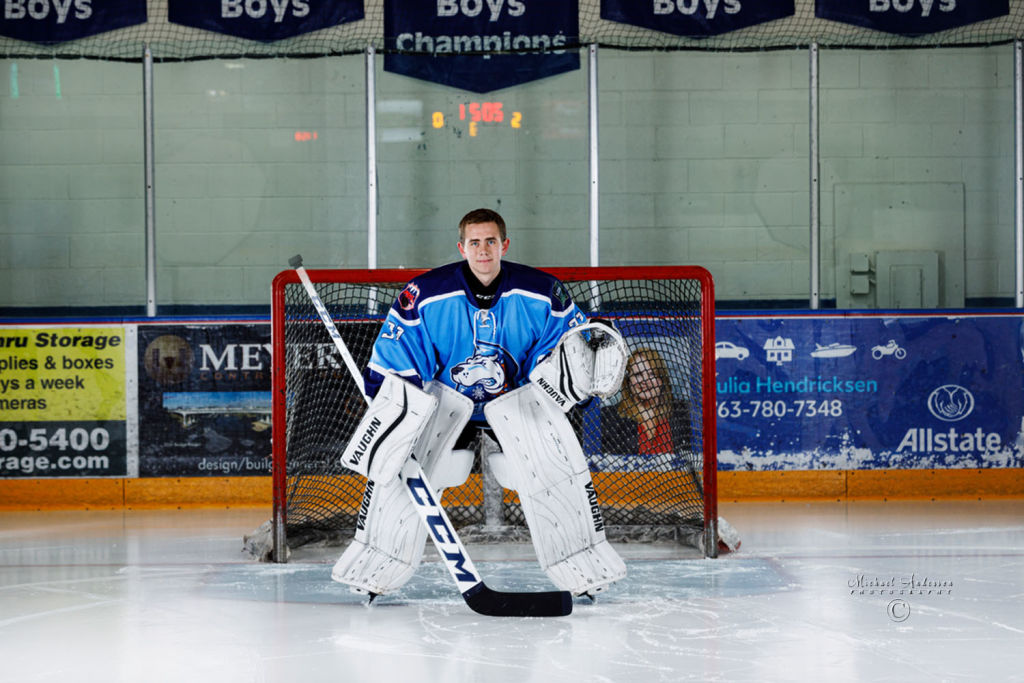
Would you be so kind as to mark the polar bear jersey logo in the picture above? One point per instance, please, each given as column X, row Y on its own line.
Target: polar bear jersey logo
column 489, row 372
column 485, row 371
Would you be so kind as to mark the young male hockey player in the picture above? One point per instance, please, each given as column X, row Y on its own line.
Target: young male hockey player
column 486, row 343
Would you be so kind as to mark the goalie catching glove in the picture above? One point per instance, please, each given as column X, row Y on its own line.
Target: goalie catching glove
column 579, row 368
column 385, row 437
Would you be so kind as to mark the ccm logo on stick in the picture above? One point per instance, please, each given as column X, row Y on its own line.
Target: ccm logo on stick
column 446, row 539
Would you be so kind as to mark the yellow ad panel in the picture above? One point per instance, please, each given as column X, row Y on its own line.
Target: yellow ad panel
column 56, row 374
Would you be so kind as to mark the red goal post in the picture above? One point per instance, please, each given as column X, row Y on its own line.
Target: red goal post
column 665, row 309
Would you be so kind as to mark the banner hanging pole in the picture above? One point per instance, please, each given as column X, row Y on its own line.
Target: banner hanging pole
column 371, row 158
column 1018, row 155
column 150, row 189
column 815, row 185
column 595, row 255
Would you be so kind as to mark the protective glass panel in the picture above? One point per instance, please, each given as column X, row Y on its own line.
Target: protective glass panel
column 257, row 160
column 71, row 184
column 917, row 184
column 704, row 162
column 522, row 151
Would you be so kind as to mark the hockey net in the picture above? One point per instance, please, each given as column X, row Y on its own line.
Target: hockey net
column 668, row 491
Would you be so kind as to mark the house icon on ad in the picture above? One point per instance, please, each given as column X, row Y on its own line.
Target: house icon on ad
column 779, row 350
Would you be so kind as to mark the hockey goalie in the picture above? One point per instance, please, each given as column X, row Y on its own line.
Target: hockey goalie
column 483, row 344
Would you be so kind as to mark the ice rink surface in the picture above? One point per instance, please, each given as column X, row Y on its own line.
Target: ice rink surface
column 887, row 591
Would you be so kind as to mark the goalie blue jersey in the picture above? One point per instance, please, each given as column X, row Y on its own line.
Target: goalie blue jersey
column 435, row 330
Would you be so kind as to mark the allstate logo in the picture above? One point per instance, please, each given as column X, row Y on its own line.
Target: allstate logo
column 951, row 403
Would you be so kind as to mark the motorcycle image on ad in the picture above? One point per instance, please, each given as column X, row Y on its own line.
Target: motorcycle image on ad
column 890, row 349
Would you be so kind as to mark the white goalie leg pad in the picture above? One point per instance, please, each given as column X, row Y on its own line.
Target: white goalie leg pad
column 543, row 461
column 500, row 470
column 389, row 539
column 578, row 368
column 391, row 427
column 388, row 544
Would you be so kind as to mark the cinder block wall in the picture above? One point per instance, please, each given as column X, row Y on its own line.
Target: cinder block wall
column 704, row 159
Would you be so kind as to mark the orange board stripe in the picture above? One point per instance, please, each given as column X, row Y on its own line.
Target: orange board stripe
column 733, row 486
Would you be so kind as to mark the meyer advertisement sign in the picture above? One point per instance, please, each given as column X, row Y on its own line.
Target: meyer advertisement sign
column 481, row 46
column 204, row 400
column 263, row 20
column 866, row 392
column 910, row 17
column 62, row 402
column 57, row 21
column 695, row 18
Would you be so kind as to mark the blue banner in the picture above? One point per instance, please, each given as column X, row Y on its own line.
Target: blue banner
column 481, row 46
column 867, row 392
column 695, row 18
column 263, row 20
column 910, row 17
column 57, row 21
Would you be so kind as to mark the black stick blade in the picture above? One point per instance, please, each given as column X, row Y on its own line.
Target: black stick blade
column 491, row 603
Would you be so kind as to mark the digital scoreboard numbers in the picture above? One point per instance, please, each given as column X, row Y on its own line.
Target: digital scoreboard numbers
column 474, row 117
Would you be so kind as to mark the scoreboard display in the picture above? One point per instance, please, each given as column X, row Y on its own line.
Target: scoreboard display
column 478, row 115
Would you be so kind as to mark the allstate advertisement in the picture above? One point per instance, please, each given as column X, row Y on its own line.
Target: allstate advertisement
column 870, row 392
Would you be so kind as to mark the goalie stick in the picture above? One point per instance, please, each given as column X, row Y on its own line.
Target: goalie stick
column 478, row 596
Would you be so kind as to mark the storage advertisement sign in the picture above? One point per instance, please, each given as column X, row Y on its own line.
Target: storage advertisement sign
column 865, row 392
column 62, row 402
